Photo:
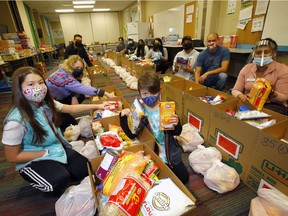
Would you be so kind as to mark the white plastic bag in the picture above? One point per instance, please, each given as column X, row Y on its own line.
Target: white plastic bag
column 202, row 158
column 189, row 138
column 72, row 133
column 274, row 202
column 90, row 150
column 256, row 208
column 221, row 177
column 77, row 145
column 77, row 200
column 85, row 126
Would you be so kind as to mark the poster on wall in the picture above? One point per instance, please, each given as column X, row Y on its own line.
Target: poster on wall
column 58, row 33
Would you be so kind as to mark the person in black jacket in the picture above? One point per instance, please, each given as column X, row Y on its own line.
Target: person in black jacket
column 77, row 48
column 166, row 145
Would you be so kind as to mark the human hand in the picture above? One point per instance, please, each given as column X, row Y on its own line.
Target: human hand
column 103, row 105
column 202, row 78
column 243, row 98
column 174, row 119
column 126, row 112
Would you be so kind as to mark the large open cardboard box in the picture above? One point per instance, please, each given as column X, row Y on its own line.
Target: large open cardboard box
column 235, row 139
column 138, row 70
column 269, row 160
column 126, row 63
column 169, row 78
column 197, row 112
column 174, row 91
column 165, row 172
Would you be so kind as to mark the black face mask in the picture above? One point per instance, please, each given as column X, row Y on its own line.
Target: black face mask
column 156, row 46
column 140, row 45
column 77, row 72
column 187, row 46
column 78, row 43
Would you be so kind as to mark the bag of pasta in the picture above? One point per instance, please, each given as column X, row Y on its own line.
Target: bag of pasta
column 128, row 196
column 259, row 93
column 127, row 163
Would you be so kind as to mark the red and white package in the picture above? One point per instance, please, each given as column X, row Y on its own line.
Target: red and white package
column 109, row 139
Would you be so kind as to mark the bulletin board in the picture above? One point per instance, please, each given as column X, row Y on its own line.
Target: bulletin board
column 246, row 36
column 189, row 19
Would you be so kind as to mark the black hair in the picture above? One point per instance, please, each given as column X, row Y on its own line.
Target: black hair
column 161, row 47
column 77, row 35
column 141, row 50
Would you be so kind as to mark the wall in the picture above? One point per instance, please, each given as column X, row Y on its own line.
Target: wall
column 6, row 17
column 55, row 26
column 25, row 22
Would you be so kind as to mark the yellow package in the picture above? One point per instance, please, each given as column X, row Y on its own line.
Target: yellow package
column 167, row 110
column 127, row 141
column 259, row 93
column 127, row 163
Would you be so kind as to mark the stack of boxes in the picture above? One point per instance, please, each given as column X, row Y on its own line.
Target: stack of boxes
column 8, row 50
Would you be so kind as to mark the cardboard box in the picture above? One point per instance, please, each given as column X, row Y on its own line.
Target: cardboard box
column 197, row 112
column 125, row 104
column 269, row 159
column 126, row 64
column 110, row 89
column 138, row 70
column 144, row 137
column 234, row 138
column 169, row 78
column 174, row 91
column 165, row 172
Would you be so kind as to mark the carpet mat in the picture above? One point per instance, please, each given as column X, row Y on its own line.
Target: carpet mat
column 18, row 198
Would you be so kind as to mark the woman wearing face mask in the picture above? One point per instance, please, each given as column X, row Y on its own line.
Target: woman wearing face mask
column 65, row 87
column 142, row 49
column 159, row 56
column 32, row 138
column 166, row 145
column 264, row 65
column 121, row 45
column 185, row 61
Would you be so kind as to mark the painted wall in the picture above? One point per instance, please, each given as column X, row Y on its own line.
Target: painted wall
column 25, row 22
column 56, row 26
column 6, row 17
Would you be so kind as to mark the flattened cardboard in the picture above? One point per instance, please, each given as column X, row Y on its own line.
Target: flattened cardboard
column 197, row 112
column 165, row 172
column 174, row 91
column 269, row 159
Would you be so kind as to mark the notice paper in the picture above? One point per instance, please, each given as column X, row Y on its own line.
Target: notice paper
column 242, row 24
column 245, row 13
column 261, row 7
column 257, row 24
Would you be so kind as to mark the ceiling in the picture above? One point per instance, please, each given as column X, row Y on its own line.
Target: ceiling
column 47, row 8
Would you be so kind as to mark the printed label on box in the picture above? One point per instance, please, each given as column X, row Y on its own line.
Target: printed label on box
column 275, row 171
column 194, row 121
column 228, row 145
column 264, row 184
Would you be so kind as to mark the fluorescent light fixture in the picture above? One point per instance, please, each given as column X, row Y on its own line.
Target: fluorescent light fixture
column 64, row 10
column 83, row 2
column 101, row 9
column 83, row 6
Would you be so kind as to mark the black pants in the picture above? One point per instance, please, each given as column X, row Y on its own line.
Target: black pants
column 52, row 176
column 66, row 118
column 280, row 108
column 181, row 172
column 162, row 66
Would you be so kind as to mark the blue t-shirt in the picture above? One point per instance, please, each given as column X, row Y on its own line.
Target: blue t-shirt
column 210, row 61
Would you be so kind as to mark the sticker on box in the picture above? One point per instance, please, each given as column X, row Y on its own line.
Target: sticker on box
column 228, row 145
column 194, row 121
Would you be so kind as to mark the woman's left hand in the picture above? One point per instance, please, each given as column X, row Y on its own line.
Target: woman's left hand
column 174, row 119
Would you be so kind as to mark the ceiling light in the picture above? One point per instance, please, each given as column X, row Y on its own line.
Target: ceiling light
column 83, row 6
column 64, row 10
column 101, row 9
column 83, row 2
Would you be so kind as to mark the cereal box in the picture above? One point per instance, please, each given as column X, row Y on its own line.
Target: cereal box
column 167, row 110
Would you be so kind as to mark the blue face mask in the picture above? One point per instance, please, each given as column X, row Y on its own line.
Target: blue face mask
column 151, row 100
column 266, row 61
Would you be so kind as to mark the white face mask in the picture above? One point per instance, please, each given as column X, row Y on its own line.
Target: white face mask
column 36, row 94
column 211, row 46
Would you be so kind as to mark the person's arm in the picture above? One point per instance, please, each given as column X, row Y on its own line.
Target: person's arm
column 197, row 74
column 280, row 90
column 146, row 50
column 149, row 54
column 165, row 57
column 67, row 51
column 175, row 66
column 14, row 154
column 239, row 86
column 76, row 108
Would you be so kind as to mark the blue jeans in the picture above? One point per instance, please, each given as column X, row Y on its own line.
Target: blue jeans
column 217, row 80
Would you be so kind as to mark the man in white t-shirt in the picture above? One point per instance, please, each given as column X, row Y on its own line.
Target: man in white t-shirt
column 184, row 61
